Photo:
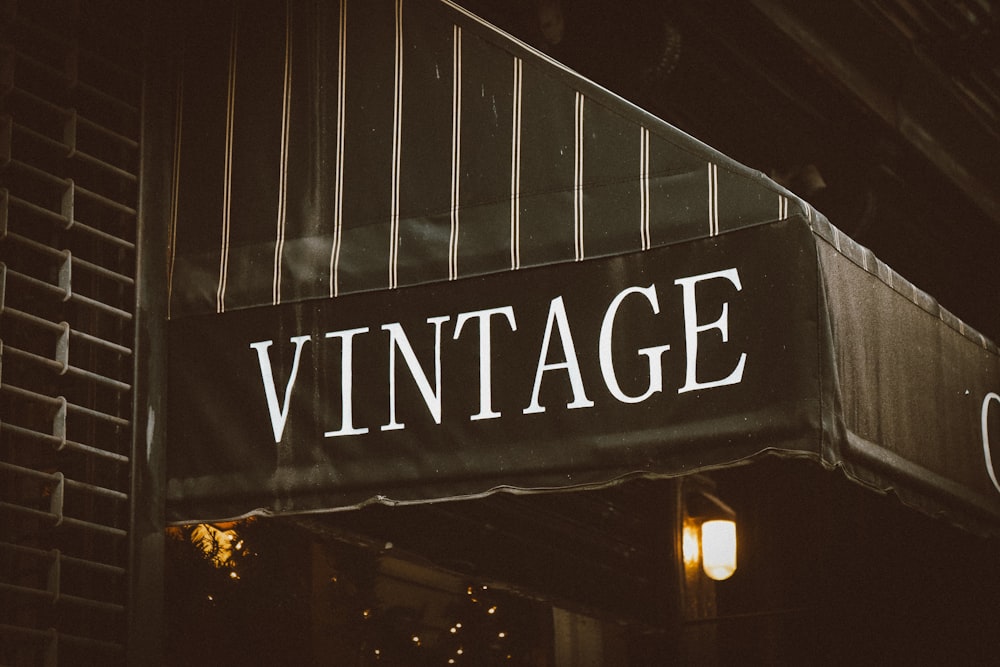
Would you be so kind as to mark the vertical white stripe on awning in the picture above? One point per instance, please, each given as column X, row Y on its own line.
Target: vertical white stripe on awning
column 578, row 179
column 515, row 169
column 397, row 133
column 338, row 194
column 286, row 112
column 644, row 238
column 175, row 190
column 713, row 199
column 456, row 151
column 227, row 187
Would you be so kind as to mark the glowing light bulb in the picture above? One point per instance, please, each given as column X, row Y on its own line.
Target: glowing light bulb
column 718, row 548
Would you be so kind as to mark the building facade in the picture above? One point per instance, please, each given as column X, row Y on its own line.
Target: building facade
column 240, row 246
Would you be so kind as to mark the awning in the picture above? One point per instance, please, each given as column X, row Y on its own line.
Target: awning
column 415, row 260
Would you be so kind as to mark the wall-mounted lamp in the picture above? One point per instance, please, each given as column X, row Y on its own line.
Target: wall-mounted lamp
column 709, row 531
column 718, row 548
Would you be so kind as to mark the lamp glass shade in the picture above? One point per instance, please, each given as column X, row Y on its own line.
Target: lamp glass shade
column 718, row 548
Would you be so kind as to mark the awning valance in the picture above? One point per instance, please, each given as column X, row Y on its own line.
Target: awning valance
column 415, row 260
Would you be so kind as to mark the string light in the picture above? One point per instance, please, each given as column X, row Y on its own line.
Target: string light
column 436, row 643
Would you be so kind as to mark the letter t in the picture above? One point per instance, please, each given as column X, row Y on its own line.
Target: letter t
column 485, row 369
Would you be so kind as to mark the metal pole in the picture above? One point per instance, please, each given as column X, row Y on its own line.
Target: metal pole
column 145, row 608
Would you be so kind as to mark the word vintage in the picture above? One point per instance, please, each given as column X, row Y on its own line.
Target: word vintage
column 557, row 354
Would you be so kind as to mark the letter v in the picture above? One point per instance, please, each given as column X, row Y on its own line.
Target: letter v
column 277, row 413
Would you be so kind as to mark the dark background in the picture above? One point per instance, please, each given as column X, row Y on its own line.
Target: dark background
column 895, row 103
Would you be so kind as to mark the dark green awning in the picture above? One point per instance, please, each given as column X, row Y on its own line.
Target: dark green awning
column 416, row 260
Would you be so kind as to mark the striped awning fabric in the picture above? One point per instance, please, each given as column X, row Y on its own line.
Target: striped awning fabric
column 413, row 259
column 346, row 147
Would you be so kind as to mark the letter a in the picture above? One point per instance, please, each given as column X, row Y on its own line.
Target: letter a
column 277, row 413
column 557, row 316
